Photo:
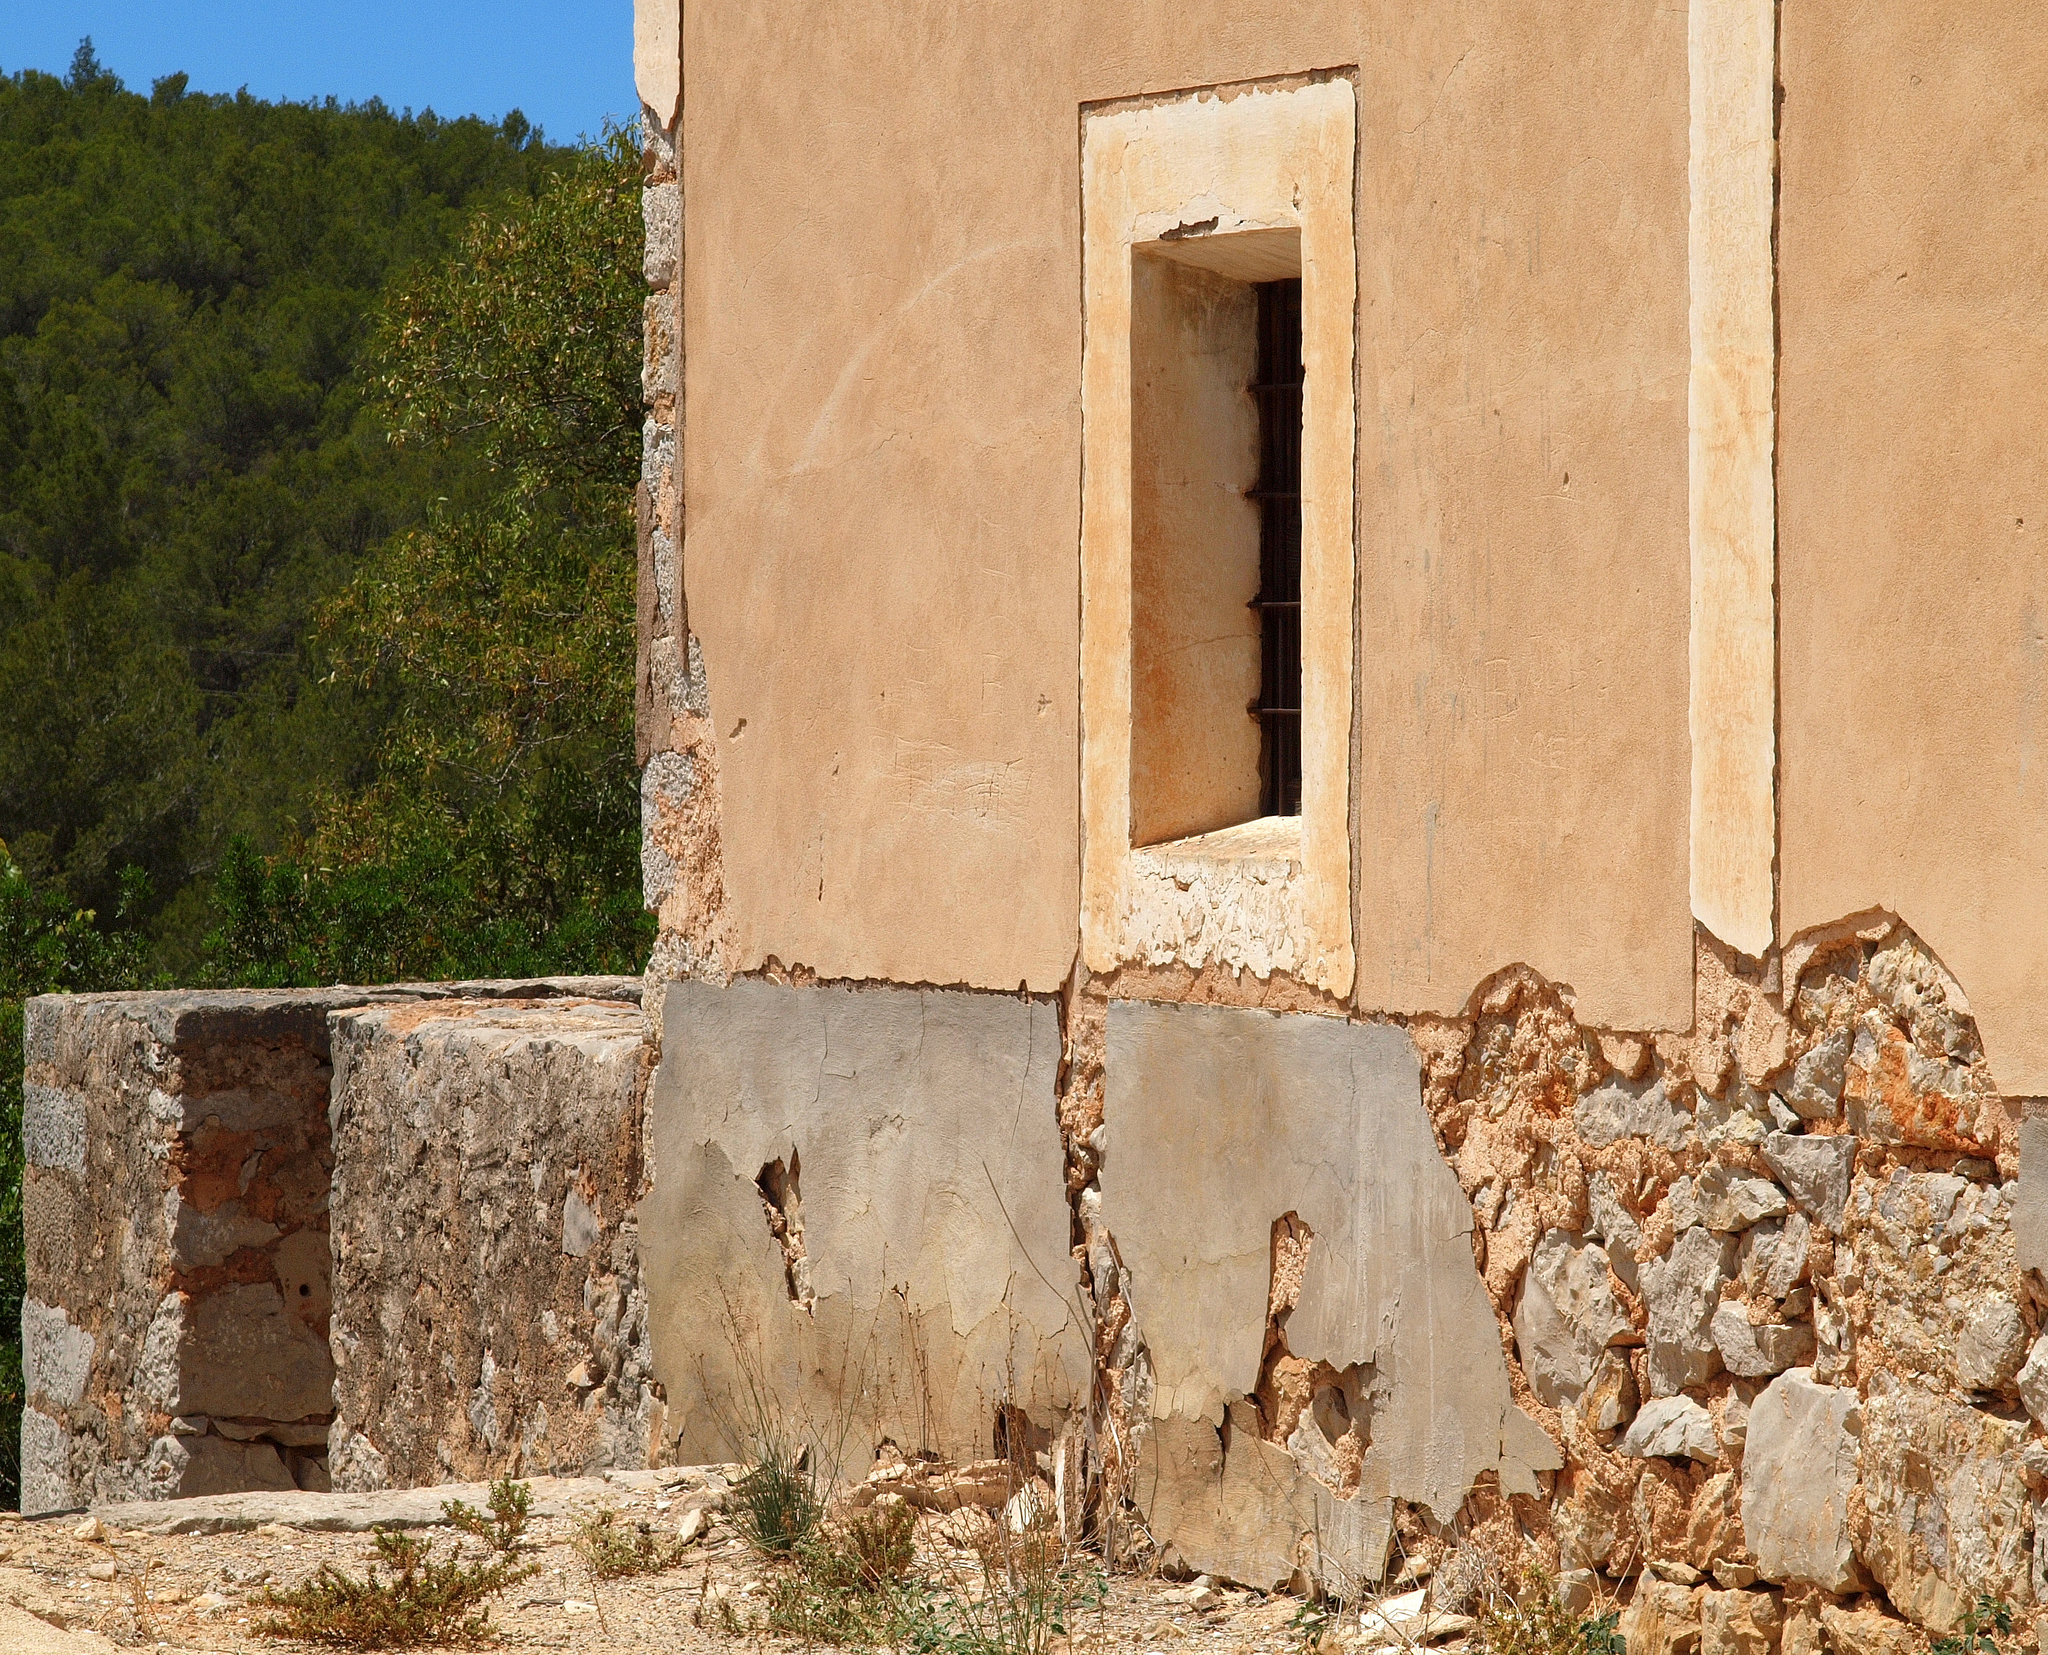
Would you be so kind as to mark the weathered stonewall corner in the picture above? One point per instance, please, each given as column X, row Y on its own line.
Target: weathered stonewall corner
column 187, row 1330
column 1341, row 771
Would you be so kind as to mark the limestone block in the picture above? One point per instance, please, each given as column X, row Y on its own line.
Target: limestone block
column 1672, row 1427
column 1992, row 1346
column 46, row 1482
column 1946, row 1511
column 53, row 1128
column 1799, row 1468
column 1771, row 1258
column 242, row 1354
column 1620, row 1109
column 179, row 1467
column 1221, row 1121
column 56, row 1356
column 486, row 1166
column 1815, row 1092
column 1868, row 1632
column 1661, row 1619
column 2032, row 1380
column 1613, row 1225
column 1682, row 1290
column 1713, row 1535
column 1730, row 1202
column 1752, row 1352
column 661, row 208
column 1566, row 1316
column 1739, row 1623
column 1935, row 1254
column 914, row 1136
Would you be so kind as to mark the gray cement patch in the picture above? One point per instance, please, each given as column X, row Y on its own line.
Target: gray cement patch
column 920, row 1127
column 1221, row 1121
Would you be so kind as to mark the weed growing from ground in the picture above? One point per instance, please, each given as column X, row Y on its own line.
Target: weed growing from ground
column 501, row 1526
column 776, row 1505
column 612, row 1550
column 1986, row 1616
column 1536, row 1623
column 1027, row 1590
column 424, row 1601
column 849, row 1583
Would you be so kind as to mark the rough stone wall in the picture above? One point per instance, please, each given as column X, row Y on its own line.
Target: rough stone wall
column 677, row 748
column 175, row 1329
column 1761, row 1286
column 488, row 1313
column 175, row 1204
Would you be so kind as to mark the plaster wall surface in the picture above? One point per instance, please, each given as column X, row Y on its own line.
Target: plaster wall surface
column 1913, row 585
column 858, row 1205
column 881, row 478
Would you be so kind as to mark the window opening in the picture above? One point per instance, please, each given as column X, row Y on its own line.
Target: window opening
column 1278, row 492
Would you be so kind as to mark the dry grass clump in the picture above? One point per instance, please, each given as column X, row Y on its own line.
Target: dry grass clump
column 424, row 1602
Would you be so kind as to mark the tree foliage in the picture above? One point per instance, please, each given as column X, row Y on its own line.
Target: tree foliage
column 189, row 459
column 497, row 833
column 318, row 434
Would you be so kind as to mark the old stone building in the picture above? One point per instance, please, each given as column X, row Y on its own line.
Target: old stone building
column 1342, row 726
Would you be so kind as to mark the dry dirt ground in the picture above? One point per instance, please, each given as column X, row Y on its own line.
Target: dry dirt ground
column 134, row 1589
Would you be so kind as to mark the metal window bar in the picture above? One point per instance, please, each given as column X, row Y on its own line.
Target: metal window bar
column 1278, row 492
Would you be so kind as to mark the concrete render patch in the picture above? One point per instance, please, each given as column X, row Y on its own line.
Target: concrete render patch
column 921, row 1132
column 1221, row 1121
column 56, row 1356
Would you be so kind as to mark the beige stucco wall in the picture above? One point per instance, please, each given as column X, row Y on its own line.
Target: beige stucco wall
column 1523, row 762
column 881, row 456
column 1913, row 669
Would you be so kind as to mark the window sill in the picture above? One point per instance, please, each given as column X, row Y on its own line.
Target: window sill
column 1234, row 898
column 1272, row 842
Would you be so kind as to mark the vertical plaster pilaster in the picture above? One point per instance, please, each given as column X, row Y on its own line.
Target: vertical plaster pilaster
column 658, row 56
column 1732, row 46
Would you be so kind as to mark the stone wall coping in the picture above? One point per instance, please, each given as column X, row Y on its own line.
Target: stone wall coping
column 402, row 1508
column 180, row 1016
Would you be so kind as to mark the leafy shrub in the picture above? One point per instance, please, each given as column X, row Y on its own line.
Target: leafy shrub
column 1536, row 1623
column 503, row 1523
column 1974, row 1637
column 612, row 1550
column 424, row 1601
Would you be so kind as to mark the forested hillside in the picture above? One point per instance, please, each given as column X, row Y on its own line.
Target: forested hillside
column 318, row 433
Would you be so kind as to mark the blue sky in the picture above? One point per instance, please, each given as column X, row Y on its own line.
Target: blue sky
column 566, row 63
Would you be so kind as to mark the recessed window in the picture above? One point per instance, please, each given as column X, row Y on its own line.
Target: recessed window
column 1216, row 391
column 1217, row 529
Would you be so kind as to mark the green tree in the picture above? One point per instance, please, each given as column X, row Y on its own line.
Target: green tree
column 189, row 462
column 498, row 831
